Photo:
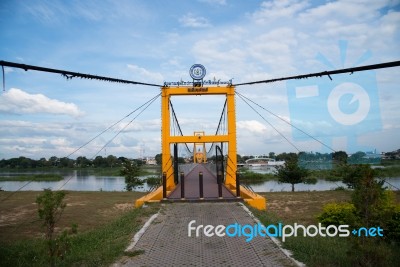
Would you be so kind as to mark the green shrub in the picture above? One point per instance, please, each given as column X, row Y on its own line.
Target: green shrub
column 337, row 214
column 393, row 225
column 153, row 181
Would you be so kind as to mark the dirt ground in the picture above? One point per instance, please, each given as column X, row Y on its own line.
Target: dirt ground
column 19, row 217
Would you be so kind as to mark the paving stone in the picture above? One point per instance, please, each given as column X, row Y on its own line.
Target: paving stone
column 166, row 241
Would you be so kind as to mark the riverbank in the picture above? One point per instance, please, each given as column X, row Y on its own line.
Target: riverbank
column 51, row 177
column 100, row 171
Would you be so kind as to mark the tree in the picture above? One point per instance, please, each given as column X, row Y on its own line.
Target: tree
column 83, row 162
column 42, row 162
column 99, row 161
column 111, row 161
column 50, row 209
column 131, row 170
column 53, row 161
column 356, row 158
column 66, row 162
column 340, row 157
column 287, row 156
column 369, row 197
column 352, row 175
column 158, row 159
column 292, row 173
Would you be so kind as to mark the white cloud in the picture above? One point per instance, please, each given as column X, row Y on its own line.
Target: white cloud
column 278, row 10
column 274, row 39
column 190, row 20
column 144, row 75
column 20, row 102
column 252, row 126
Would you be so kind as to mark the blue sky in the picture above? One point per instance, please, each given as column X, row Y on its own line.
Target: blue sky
column 43, row 114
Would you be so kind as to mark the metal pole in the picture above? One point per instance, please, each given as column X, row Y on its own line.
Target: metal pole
column 176, row 165
column 164, row 184
column 182, row 185
column 237, row 185
column 201, row 185
column 219, row 178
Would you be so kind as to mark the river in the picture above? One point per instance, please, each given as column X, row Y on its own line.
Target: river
column 84, row 181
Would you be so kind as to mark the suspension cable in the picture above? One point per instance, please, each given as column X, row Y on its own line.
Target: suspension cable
column 328, row 73
column 219, row 128
column 12, row 193
column 71, row 74
column 4, row 78
column 177, row 124
column 148, row 103
column 244, row 100
column 151, row 102
column 287, row 122
column 220, row 119
column 111, row 126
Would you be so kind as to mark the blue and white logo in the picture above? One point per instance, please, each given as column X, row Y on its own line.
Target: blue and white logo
column 197, row 72
column 345, row 107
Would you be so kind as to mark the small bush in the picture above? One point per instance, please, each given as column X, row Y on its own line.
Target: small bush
column 337, row 214
column 393, row 225
column 153, row 181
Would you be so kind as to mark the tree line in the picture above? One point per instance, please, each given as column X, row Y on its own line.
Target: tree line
column 55, row 162
column 112, row 161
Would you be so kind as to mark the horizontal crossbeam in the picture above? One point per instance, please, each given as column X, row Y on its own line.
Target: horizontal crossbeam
column 199, row 139
column 197, row 90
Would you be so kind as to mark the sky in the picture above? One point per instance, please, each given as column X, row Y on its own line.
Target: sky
column 155, row 41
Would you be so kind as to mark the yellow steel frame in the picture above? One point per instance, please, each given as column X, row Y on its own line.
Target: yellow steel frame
column 250, row 197
column 167, row 139
column 203, row 158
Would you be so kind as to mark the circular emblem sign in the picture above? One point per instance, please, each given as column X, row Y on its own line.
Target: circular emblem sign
column 197, row 72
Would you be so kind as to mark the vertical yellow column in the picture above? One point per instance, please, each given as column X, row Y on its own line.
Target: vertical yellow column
column 165, row 138
column 232, row 154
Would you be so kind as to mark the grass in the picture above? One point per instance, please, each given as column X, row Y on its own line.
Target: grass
column 389, row 171
column 106, row 222
column 390, row 162
column 35, row 177
column 324, row 174
column 302, row 208
column 116, row 171
column 254, row 176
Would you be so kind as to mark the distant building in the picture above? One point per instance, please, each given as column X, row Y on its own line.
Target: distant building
column 151, row 161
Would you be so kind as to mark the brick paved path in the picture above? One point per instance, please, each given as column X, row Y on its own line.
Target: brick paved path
column 166, row 241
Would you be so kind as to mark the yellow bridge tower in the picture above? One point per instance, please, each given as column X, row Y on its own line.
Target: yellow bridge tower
column 194, row 89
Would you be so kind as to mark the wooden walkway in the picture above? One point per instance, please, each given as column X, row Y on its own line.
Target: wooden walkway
column 192, row 191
